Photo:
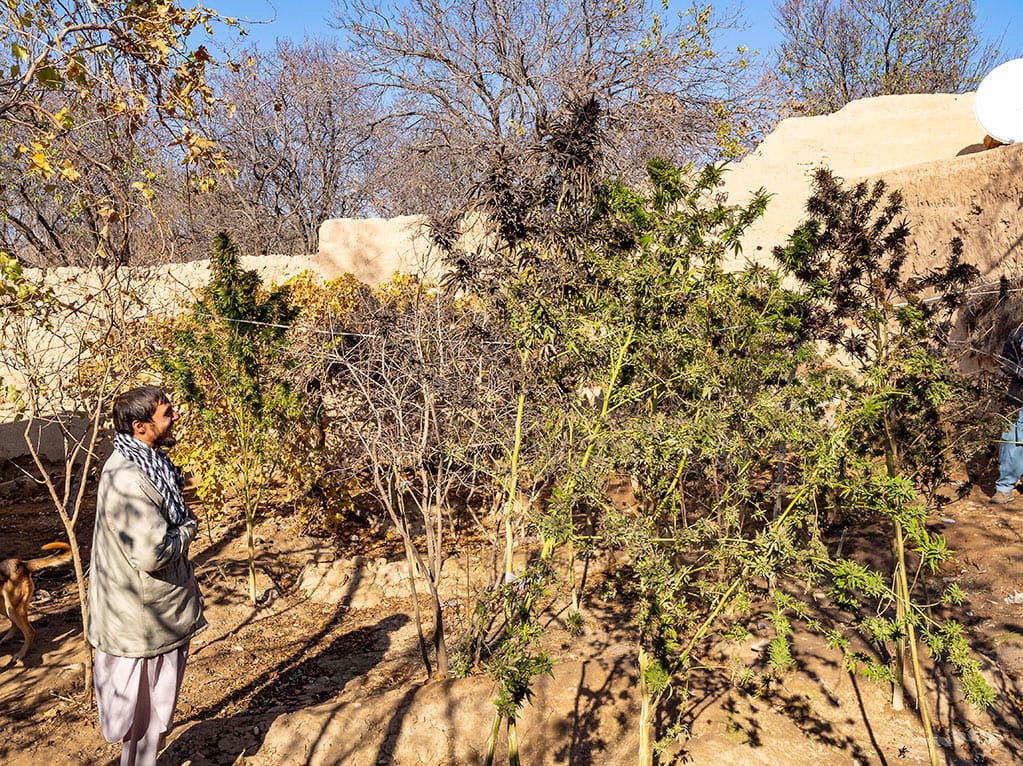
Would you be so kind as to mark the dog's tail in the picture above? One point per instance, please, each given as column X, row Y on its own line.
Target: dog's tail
column 59, row 559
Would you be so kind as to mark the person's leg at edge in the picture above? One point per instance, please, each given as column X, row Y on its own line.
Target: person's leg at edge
column 179, row 657
column 154, row 713
column 134, row 747
column 1010, row 457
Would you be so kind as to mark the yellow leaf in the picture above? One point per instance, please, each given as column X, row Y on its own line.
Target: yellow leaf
column 68, row 172
column 40, row 163
column 143, row 189
column 64, row 119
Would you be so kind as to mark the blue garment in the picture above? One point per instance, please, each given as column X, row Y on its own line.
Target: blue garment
column 1010, row 456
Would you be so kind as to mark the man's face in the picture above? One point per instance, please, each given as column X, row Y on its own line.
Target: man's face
column 158, row 430
column 163, row 420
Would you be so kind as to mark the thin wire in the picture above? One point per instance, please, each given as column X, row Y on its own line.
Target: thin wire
column 980, row 290
column 331, row 333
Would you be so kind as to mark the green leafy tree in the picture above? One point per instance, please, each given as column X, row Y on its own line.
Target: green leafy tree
column 893, row 434
column 708, row 395
column 229, row 361
column 622, row 293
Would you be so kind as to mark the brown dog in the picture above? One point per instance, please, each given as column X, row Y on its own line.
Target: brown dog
column 17, row 588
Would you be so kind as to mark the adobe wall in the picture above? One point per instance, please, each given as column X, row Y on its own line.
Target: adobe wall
column 929, row 146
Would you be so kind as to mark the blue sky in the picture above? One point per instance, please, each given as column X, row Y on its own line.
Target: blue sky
column 298, row 18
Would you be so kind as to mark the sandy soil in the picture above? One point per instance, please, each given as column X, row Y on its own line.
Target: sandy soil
column 298, row 680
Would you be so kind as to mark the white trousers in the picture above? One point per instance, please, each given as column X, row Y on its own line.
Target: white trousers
column 136, row 697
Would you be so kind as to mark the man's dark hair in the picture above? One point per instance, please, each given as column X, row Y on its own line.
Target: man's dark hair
column 138, row 404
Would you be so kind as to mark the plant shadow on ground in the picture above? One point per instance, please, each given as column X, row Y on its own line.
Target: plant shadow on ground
column 986, row 567
column 298, row 681
column 1005, row 715
column 22, row 695
column 610, row 657
column 600, row 677
column 748, row 710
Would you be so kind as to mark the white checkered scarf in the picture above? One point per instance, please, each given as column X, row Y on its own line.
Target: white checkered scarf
column 158, row 469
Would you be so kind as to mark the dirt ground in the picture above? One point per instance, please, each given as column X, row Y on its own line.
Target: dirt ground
column 297, row 680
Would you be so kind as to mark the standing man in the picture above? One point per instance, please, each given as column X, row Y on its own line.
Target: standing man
column 1010, row 452
column 144, row 603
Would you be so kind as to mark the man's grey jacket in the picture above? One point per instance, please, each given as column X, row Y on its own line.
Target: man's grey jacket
column 143, row 597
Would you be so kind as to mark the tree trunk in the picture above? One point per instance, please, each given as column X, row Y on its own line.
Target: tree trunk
column 513, row 743
column 899, row 647
column 512, row 494
column 646, row 752
column 83, row 606
column 417, row 614
column 918, row 680
column 492, row 742
column 250, row 536
column 440, row 646
column 899, row 557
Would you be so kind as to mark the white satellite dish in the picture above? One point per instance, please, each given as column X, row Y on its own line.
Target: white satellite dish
column 999, row 102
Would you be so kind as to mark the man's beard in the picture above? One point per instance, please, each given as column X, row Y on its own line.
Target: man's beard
column 167, row 441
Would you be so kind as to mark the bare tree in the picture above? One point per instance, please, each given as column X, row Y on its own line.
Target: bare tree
column 300, row 137
column 92, row 92
column 417, row 383
column 65, row 350
column 465, row 80
column 836, row 51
